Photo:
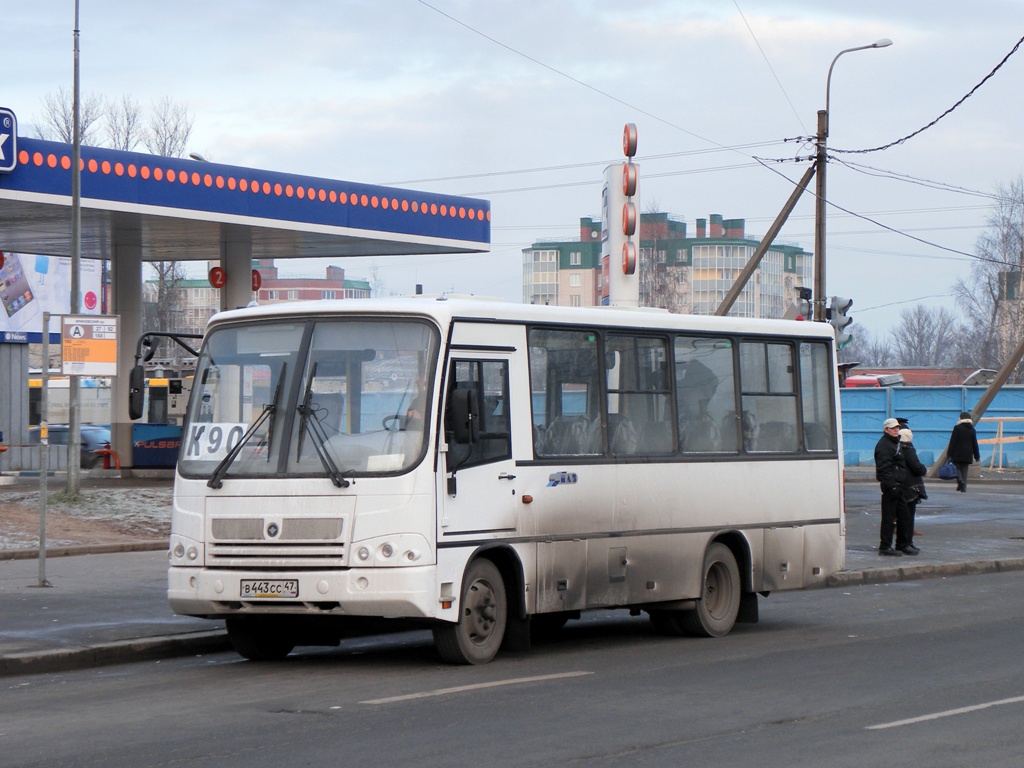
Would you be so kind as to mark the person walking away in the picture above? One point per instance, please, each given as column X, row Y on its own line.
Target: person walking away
column 913, row 491
column 963, row 449
column 890, row 471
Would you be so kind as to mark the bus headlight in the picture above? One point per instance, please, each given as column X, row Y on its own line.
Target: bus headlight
column 363, row 553
column 387, row 551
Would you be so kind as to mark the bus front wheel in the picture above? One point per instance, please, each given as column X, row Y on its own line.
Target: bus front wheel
column 258, row 640
column 719, row 603
column 483, row 614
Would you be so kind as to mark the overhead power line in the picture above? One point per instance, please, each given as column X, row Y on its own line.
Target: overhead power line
column 766, row 61
column 933, row 122
column 867, row 170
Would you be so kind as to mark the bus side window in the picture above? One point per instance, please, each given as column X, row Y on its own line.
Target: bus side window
column 816, row 396
column 489, row 379
column 706, row 395
column 566, row 387
column 767, row 378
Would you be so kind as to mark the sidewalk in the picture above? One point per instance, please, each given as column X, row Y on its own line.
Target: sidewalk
column 106, row 608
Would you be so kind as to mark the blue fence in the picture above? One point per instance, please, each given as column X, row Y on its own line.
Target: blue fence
column 932, row 412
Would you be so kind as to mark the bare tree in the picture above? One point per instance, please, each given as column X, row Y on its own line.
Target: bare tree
column 170, row 126
column 58, row 122
column 166, row 312
column 925, row 337
column 990, row 299
column 868, row 349
column 124, row 127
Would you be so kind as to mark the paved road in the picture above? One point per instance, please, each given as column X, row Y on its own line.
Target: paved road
column 828, row 678
column 108, row 608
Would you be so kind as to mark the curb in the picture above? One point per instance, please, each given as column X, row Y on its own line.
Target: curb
column 84, row 549
column 86, row 657
column 916, row 572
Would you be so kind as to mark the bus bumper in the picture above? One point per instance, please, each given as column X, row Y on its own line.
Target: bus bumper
column 408, row 592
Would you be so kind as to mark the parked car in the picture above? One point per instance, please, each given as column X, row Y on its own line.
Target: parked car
column 94, row 437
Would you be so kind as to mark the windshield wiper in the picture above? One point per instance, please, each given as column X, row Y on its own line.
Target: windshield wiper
column 217, row 478
column 309, row 420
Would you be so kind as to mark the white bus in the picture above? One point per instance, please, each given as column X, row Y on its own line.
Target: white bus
column 487, row 468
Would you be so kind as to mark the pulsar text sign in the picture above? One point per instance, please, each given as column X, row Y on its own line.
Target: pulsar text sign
column 89, row 345
column 8, row 140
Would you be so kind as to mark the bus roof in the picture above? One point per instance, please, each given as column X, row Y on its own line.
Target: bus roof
column 443, row 309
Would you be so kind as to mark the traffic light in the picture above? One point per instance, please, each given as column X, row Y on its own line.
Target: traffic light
column 803, row 303
column 838, row 307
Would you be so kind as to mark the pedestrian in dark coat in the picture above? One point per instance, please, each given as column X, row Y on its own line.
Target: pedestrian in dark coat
column 963, row 449
column 913, row 485
column 890, row 471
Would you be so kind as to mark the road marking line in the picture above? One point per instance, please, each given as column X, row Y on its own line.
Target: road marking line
column 476, row 687
column 947, row 713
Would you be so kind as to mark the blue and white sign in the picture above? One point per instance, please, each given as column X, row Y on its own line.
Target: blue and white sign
column 8, row 140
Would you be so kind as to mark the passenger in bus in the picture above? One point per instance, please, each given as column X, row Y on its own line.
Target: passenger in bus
column 890, row 471
column 751, row 431
column 698, row 432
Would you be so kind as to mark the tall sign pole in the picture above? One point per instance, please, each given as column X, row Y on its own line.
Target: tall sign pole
column 74, row 417
column 620, row 234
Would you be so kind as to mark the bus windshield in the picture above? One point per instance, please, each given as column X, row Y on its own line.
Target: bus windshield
column 329, row 398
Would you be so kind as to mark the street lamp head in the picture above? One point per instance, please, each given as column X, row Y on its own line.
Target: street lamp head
column 198, row 157
column 885, row 42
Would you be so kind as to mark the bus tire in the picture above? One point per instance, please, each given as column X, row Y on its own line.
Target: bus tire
column 258, row 640
column 719, row 602
column 483, row 614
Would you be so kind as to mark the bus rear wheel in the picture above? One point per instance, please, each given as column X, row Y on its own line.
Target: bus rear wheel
column 259, row 640
column 719, row 604
column 483, row 614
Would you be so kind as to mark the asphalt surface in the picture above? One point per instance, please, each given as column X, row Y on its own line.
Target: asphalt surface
column 103, row 605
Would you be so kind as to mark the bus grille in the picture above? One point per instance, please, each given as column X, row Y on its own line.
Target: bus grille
column 298, row 542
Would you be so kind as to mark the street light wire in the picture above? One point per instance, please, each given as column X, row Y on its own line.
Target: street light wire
column 933, row 122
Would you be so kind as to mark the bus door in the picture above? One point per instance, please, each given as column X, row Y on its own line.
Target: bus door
column 479, row 489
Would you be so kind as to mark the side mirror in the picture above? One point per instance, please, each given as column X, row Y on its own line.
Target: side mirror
column 136, row 392
column 463, row 416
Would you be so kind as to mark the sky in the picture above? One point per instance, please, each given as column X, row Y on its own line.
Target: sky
column 523, row 103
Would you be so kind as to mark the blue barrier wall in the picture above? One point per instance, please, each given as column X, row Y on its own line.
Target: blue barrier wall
column 932, row 412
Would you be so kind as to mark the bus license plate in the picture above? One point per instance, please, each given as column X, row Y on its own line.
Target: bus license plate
column 275, row 589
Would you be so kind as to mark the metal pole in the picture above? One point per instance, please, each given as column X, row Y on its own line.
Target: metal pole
column 74, row 417
column 44, row 450
column 819, row 209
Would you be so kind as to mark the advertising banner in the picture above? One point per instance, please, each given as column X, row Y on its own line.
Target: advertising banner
column 31, row 285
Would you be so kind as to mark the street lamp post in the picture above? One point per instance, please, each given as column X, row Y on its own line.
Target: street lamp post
column 819, row 164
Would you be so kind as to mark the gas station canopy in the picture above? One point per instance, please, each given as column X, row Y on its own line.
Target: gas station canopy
column 186, row 209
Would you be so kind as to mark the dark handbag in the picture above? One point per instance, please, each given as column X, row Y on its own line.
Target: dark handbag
column 947, row 471
column 922, row 494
